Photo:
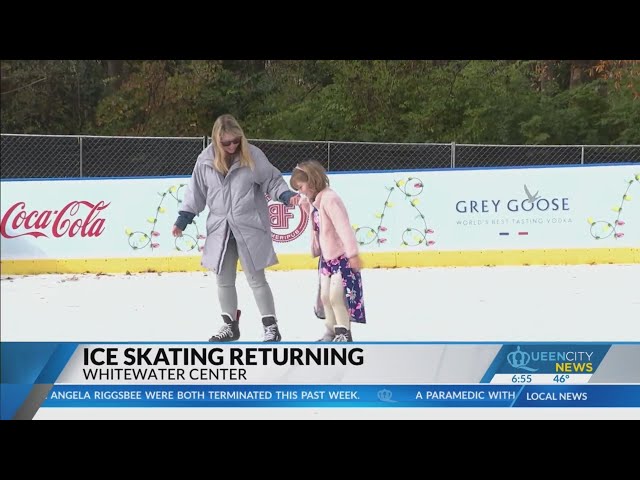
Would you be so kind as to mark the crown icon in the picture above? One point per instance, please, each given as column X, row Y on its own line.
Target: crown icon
column 518, row 358
column 385, row 395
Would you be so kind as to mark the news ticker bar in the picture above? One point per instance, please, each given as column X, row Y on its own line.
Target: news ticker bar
column 489, row 395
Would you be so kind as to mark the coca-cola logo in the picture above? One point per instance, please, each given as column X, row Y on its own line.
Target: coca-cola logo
column 75, row 218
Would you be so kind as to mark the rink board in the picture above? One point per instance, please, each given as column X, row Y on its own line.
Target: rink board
column 440, row 218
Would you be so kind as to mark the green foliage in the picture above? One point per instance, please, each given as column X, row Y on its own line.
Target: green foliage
column 161, row 98
column 50, row 96
column 501, row 102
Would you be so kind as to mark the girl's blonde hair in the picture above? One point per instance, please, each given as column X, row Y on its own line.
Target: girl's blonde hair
column 312, row 173
column 228, row 124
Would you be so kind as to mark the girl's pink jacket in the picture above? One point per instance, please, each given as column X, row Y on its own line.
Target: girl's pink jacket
column 336, row 237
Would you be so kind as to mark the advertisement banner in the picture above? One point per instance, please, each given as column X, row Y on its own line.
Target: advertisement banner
column 594, row 207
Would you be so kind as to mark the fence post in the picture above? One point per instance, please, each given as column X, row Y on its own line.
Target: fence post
column 582, row 156
column 81, row 152
column 328, row 156
column 453, row 154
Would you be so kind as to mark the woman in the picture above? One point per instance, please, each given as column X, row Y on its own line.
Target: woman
column 231, row 177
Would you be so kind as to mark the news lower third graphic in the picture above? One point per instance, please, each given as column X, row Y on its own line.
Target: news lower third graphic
column 547, row 364
column 386, row 375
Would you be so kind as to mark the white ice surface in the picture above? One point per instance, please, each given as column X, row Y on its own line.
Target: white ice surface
column 585, row 303
column 599, row 303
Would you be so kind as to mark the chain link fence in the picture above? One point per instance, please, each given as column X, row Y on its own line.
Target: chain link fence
column 45, row 156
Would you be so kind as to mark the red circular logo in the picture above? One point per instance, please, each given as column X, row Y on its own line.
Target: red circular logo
column 287, row 223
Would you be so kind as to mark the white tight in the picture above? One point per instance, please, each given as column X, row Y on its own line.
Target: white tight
column 333, row 300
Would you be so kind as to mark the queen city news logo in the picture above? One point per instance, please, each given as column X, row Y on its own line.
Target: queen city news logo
column 544, row 360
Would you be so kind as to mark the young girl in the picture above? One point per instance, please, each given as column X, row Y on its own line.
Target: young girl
column 335, row 242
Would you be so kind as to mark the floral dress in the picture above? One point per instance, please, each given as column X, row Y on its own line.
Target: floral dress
column 351, row 281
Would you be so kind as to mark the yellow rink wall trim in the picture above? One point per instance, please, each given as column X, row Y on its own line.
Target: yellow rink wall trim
column 370, row 260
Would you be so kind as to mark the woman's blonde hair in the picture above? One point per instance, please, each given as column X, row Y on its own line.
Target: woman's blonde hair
column 228, row 124
column 312, row 173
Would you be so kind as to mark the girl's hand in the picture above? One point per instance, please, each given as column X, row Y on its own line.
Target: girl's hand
column 355, row 263
column 295, row 200
column 176, row 232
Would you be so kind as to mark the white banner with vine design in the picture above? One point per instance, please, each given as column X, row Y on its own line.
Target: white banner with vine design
column 476, row 209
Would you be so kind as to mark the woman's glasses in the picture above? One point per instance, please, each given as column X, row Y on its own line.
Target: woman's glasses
column 226, row 143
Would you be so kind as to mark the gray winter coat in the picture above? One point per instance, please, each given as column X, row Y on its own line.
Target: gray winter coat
column 236, row 202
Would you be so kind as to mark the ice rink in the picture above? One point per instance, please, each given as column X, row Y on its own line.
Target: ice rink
column 585, row 303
